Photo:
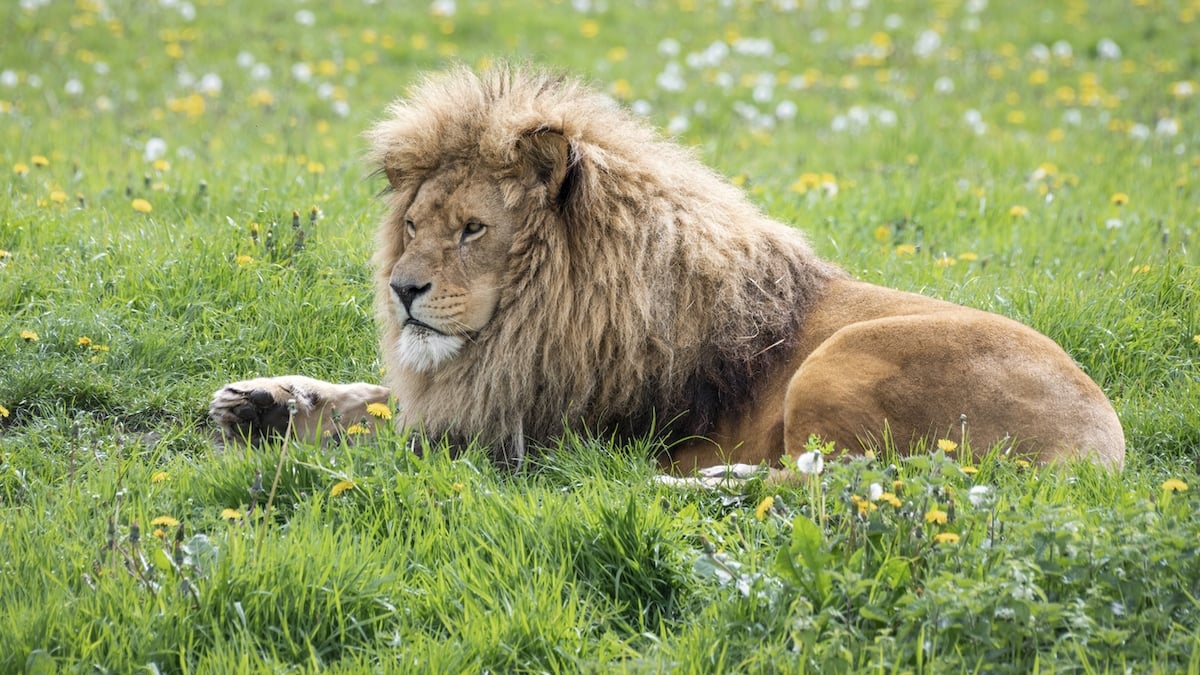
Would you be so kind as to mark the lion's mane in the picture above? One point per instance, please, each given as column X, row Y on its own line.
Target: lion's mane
column 646, row 290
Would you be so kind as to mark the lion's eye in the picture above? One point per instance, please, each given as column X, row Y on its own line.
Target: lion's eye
column 472, row 230
column 410, row 229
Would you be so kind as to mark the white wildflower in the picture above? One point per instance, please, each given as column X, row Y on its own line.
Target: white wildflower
column 1108, row 50
column 811, row 463
column 155, row 149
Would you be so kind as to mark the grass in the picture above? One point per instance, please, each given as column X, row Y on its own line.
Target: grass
column 1005, row 157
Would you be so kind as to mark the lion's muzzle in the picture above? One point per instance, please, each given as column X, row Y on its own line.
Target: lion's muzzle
column 407, row 292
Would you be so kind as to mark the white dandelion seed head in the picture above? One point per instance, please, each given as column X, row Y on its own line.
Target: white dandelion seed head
column 671, row 78
column 811, row 463
column 305, row 17
column 927, row 43
column 302, row 71
column 155, row 149
column 1181, row 89
column 669, row 47
column 444, row 8
column 1167, row 126
column 979, row 495
column 210, row 83
column 1108, row 50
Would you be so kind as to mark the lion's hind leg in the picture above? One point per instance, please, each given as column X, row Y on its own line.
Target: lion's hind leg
column 953, row 374
column 253, row 410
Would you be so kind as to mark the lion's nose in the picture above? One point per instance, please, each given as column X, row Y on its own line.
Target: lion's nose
column 407, row 292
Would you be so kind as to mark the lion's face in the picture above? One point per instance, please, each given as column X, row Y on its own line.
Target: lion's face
column 445, row 284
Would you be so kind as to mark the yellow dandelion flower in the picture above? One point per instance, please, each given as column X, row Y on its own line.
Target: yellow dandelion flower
column 1120, row 199
column 458, row 487
column 39, row 160
column 20, row 169
column 84, row 341
column 58, row 197
column 4, row 254
column 160, row 533
column 945, row 261
column 1174, row 485
column 946, row 445
column 968, row 256
column 617, row 54
column 969, row 470
column 765, row 505
column 99, row 348
column 863, row 506
column 882, row 233
column 380, row 410
column 261, row 98
column 1196, row 339
column 316, row 167
column 904, row 250
column 945, row 538
column 357, row 429
column 231, row 514
column 1018, row 211
column 29, row 336
column 141, row 206
column 243, row 260
column 589, row 29
column 162, row 165
column 890, row 498
column 159, row 476
column 1141, row 269
column 3, row 411
column 340, row 487
column 166, row 521
column 936, row 516
column 1023, row 464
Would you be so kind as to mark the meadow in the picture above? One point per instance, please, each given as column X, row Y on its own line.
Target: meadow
column 183, row 204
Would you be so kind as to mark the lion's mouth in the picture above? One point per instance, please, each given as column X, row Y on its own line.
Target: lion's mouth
column 421, row 325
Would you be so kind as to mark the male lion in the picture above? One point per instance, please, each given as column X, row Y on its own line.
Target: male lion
column 548, row 260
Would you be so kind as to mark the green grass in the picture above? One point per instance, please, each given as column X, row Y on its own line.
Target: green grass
column 1059, row 189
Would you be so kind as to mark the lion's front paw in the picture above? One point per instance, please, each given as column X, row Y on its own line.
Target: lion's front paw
column 254, row 409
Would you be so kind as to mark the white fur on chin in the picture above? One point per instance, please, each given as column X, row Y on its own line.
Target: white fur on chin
column 423, row 350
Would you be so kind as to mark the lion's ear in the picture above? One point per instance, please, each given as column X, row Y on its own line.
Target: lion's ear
column 546, row 159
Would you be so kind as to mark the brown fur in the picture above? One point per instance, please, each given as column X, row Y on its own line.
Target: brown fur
column 628, row 287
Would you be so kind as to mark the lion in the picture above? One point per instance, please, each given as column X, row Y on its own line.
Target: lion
column 548, row 261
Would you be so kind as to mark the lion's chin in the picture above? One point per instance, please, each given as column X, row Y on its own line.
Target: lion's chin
column 423, row 349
